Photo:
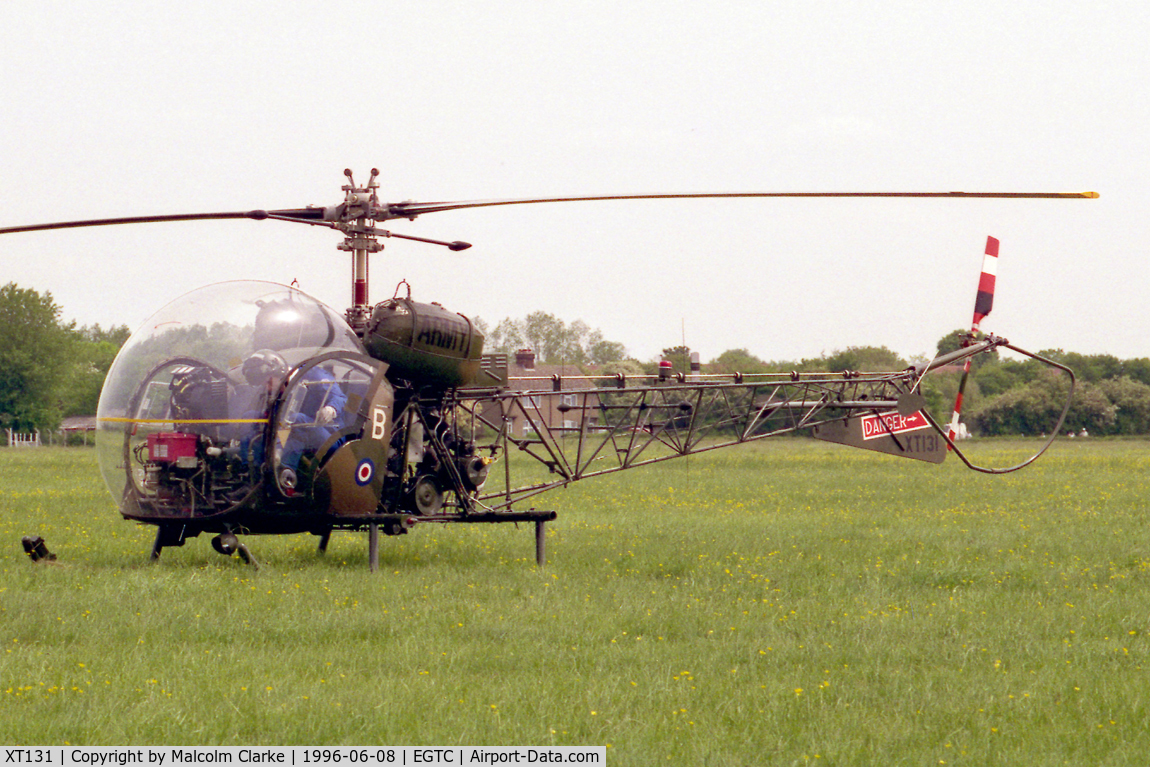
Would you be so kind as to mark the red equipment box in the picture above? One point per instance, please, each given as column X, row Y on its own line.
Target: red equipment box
column 170, row 446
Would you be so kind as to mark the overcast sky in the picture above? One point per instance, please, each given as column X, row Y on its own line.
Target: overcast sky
column 142, row 108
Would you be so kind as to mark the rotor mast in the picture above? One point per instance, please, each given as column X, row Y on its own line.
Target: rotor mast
column 361, row 240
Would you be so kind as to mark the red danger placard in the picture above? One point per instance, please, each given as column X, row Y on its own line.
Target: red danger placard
column 883, row 424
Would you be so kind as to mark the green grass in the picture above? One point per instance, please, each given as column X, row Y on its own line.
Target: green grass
column 789, row 602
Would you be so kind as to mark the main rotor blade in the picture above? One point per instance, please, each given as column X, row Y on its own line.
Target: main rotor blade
column 318, row 215
column 257, row 215
column 413, row 209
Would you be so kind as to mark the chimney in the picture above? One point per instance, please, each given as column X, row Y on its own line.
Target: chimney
column 525, row 358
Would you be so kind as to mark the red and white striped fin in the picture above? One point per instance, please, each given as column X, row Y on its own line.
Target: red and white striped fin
column 983, row 302
column 985, row 298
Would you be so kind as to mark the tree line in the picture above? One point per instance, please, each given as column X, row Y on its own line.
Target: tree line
column 553, row 340
column 1002, row 396
column 51, row 369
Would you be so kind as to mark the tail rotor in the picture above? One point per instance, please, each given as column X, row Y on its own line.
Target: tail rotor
column 983, row 303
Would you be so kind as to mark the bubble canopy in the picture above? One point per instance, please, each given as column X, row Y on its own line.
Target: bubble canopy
column 219, row 325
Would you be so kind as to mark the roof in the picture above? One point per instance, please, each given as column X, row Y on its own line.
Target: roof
column 79, row 423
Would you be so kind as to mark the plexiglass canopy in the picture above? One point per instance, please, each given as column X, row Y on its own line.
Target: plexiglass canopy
column 218, row 326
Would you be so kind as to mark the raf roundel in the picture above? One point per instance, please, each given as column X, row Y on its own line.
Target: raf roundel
column 364, row 472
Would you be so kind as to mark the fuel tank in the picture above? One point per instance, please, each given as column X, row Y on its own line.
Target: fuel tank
column 424, row 343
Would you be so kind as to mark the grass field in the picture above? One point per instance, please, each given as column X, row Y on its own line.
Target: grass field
column 785, row 603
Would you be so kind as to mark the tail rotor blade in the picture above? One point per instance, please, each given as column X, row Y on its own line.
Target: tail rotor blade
column 953, row 431
column 983, row 303
column 985, row 299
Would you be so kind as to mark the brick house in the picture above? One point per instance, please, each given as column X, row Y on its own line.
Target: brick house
column 559, row 403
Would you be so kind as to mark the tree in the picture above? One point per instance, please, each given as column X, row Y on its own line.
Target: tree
column 506, row 337
column 93, row 351
column 1034, row 408
column 1095, row 367
column 865, row 358
column 997, row 377
column 737, row 361
column 553, row 340
column 34, row 359
column 604, row 352
column 1131, row 399
column 1138, row 369
column 116, row 335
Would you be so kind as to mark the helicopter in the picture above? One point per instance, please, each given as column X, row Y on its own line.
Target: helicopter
column 252, row 408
